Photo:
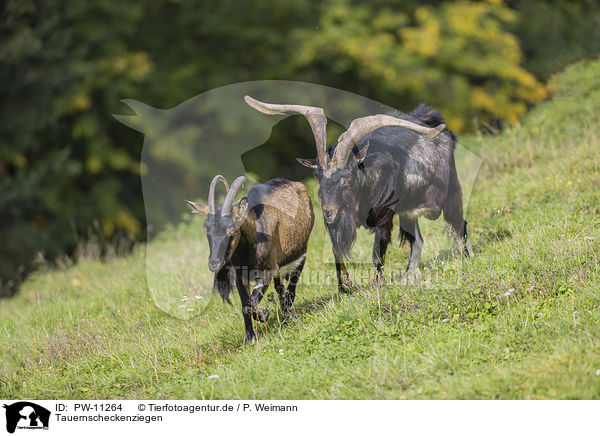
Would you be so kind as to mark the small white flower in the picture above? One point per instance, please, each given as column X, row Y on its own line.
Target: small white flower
column 184, row 298
column 281, row 351
column 507, row 350
column 182, row 306
column 191, row 309
column 598, row 372
column 197, row 297
column 210, row 377
column 589, row 238
column 510, row 291
column 446, row 320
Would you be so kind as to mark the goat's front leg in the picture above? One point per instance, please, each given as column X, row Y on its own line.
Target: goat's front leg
column 262, row 275
column 383, row 236
column 262, row 284
column 344, row 283
column 246, row 308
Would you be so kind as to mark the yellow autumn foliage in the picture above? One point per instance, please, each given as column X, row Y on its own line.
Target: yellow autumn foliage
column 459, row 57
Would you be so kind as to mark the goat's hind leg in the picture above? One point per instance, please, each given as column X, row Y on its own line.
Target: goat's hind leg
column 453, row 215
column 286, row 298
column 279, row 286
column 410, row 231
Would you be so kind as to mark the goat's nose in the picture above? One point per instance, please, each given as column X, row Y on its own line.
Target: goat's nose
column 329, row 214
column 214, row 265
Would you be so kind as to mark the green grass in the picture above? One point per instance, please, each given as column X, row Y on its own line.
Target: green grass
column 99, row 331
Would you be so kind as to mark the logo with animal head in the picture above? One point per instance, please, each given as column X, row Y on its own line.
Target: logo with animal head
column 26, row 415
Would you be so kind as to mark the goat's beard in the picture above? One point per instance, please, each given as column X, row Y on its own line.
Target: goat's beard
column 223, row 282
column 343, row 232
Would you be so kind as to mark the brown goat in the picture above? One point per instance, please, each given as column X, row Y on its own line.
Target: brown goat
column 262, row 237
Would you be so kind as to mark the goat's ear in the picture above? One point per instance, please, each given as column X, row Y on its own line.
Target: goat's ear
column 197, row 207
column 310, row 163
column 240, row 210
column 360, row 156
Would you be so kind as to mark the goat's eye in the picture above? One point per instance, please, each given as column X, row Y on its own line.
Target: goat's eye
column 230, row 232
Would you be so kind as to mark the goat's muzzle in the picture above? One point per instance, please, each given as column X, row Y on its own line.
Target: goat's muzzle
column 215, row 265
column 330, row 214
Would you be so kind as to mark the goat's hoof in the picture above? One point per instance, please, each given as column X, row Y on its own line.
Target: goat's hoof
column 260, row 315
column 411, row 277
column 377, row 281
column 288, row 318
column 347, row 288
column 250, row 338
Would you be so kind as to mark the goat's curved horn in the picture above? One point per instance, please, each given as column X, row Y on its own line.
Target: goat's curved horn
column 314, row 115
column 211, row 192
column 361, row 126
column 228, row 203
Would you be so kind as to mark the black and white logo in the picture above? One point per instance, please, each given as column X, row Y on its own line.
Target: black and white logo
column 26, row 415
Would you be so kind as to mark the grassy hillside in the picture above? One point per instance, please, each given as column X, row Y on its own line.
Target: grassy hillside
column 520, row 320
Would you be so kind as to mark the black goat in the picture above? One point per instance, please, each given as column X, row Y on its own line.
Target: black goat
column 381, row 166
column 262, row 237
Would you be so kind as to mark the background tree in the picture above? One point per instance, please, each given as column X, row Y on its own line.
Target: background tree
column 66, row 164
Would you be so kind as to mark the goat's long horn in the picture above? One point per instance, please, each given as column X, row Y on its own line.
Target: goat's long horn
column 314, row 115
column 361, row 126
column 211, row 192
column 228, row 203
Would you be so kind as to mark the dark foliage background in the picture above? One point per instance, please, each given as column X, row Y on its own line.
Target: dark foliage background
column 68, row 168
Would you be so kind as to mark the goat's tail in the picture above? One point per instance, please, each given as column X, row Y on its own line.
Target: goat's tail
column 429, row 117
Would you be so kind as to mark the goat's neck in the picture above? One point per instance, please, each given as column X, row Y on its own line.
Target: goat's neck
column 248, row 230
column 375, row 192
